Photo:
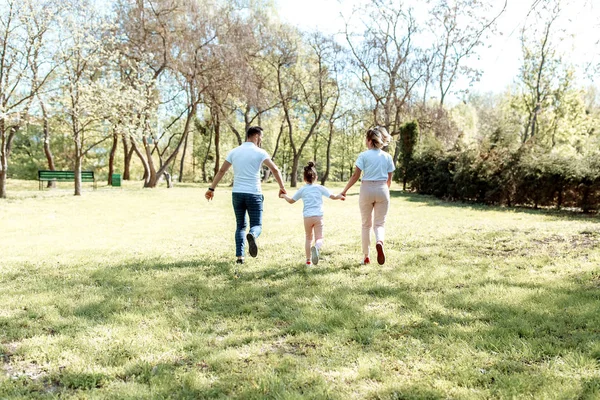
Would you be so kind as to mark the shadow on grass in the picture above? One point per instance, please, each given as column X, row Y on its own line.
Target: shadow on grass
column 290, row 313
column 433, row 201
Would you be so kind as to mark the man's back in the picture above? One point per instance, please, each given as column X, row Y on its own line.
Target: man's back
column 246, row 161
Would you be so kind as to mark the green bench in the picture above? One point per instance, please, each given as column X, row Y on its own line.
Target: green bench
column 64, row 176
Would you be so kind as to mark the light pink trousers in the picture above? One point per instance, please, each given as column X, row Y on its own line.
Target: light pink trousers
column 313, row 224
column 374, row 202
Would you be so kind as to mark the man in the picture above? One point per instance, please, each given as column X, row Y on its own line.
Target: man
column 247, row 197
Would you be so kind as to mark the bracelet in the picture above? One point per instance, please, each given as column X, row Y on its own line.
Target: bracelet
column 211, row 189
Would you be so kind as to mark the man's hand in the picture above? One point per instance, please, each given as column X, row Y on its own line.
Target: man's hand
column 282, row 191
column 209, row 195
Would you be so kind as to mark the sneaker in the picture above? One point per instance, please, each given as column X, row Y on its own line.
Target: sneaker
column 314, row 255
column 239, row 261
column 380, row 253
column 366, row 261
column 308, row 264
column 252, row 248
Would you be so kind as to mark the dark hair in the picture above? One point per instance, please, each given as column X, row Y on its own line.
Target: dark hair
column 310, row 173
column 253, row 130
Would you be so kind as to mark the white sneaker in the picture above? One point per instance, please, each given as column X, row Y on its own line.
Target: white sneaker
column 314, row 253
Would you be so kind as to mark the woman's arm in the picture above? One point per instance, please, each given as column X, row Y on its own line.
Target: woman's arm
column 389, row 179
column 353, row 179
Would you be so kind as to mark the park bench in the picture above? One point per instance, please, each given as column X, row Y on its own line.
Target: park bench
column 64, row 176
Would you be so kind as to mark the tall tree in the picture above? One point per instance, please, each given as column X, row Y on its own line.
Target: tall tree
column 460, row 27
column 23, row 29
column 544, row 71
column 385, row 59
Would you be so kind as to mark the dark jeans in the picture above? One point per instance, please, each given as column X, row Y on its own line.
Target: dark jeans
column 253, row 205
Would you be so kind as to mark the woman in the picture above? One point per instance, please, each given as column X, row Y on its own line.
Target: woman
column 377, row 167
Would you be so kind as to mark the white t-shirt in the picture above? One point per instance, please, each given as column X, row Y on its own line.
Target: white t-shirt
column 375, row 165
column 312, row 196
column 246, row 161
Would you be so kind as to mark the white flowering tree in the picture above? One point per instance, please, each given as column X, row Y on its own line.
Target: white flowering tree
column 86, row 99
column 23, row 28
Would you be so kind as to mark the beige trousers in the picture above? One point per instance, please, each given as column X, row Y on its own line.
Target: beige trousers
column 313, row 224
column 374, row 202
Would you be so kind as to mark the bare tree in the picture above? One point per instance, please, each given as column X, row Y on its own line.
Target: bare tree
column 386, row 60
column 463, row 26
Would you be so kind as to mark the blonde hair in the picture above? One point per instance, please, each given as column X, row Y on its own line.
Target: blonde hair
column 379, row 136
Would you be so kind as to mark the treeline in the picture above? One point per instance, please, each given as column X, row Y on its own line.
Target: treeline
column 500, row 177
column 162, row 89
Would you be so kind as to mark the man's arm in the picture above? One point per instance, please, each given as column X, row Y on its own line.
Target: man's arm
column 275, row 171
column 210, row 193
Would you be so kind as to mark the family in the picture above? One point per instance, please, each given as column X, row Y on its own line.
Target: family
column 375, row 165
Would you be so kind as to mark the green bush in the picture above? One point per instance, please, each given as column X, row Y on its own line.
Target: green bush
column 499, row 176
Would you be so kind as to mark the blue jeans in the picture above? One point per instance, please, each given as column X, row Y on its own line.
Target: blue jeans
column 253, row 205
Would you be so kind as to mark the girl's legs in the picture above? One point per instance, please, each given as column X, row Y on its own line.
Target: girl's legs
column 308, row 229
column 318, row 228
column 313, row 227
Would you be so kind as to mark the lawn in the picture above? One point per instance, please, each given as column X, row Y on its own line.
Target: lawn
column 131, row 293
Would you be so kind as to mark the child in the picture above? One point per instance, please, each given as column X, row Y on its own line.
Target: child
column 311, row 195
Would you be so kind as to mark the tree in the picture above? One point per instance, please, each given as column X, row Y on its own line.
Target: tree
column 543, row 75
column 385, row 60
column 82, row 100
column 24, row 26
column 409, row 133
column 463, row 24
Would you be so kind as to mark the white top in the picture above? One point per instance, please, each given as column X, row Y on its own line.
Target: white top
column 375, row 165
column 311, row 195
column 246, row 161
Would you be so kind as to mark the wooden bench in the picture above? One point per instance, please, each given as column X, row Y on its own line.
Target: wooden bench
column 64, row 176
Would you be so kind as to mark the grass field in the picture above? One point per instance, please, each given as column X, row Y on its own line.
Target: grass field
column 130, row 293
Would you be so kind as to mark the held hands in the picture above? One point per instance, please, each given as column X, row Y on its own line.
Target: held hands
column 282, row 191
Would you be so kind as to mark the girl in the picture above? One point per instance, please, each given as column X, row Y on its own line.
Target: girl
column 311, row 195
column 377, row 167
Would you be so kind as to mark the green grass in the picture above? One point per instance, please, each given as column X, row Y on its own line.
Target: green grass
column 131, row 293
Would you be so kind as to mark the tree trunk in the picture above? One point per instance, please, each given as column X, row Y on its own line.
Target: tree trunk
column 183, row 159
column 127, row 155
column 171, row 159
column 328, row 156
column 137, row 151
column 205, row 160
column 77, row 169
column 294, row 178
column 268, row 172
column 47, row 150
column 111, row 158
column 3, row 159
column 217, row 128
column 152, row 179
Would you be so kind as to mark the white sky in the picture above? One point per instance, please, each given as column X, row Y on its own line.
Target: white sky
column 500, row 63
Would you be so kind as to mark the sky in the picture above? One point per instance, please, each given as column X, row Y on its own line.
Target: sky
column 501, row 61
